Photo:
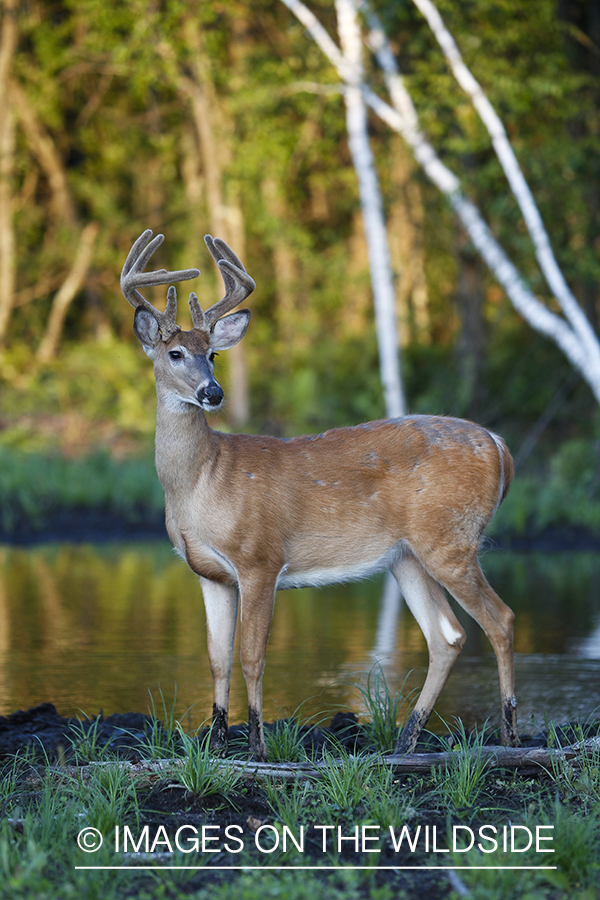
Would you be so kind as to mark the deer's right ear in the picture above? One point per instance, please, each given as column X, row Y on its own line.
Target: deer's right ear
column 147, row 330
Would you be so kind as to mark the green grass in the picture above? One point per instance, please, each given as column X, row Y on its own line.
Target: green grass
column 386, row 713
column 344, row 787
column 202, row 773
column 163, row 736
column 33, row 486
column 461, row 782
column 43, row 808
column 86, row 743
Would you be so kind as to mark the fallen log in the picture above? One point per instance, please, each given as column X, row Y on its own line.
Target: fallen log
column 494, row 757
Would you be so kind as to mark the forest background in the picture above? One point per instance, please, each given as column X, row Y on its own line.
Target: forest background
column 224, row 117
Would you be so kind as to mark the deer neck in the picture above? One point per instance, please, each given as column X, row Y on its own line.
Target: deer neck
column 185, row 445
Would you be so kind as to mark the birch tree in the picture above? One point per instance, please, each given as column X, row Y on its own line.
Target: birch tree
column 384, row 296
column 571, row 331
column 8, row 45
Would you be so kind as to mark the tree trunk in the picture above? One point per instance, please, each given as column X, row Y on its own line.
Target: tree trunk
column 67, row 293
column 8, row 43
column 43, row 148
column 573, row 333
column 225, row 219
column 285, row 267
column 406, row 230
column 384, row 295
column 471, row 342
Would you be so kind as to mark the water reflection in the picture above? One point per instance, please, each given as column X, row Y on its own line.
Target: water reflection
column 92, row 628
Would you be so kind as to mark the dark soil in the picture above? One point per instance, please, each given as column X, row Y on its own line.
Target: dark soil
column 86, row 526
column 166, row 807
column 97, row 526
column 44, row 732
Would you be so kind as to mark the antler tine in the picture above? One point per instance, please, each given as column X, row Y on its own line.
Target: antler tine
column 198, row 320
column 238, row 284
column 135, row 251
column 133, row 276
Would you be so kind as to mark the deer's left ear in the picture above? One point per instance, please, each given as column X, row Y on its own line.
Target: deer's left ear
column 229, row 330
column 147, row 329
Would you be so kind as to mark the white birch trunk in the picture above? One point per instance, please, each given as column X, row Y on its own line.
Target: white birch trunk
column 384, row 295
column 402, row 117
column 516, row 179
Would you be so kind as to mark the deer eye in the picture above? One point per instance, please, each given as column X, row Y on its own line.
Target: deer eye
column 175, row 354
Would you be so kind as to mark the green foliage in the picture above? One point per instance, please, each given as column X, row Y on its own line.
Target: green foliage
column 383, row 710
column 284, row 741
column 102, row 393
column 162, row 738
column 573, row 488
column 461, row 782
column 33, row 486
column 116, row 94
column 203, row 774
column 566, row 493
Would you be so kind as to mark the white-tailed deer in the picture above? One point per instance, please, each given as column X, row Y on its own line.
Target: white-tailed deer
column 251, row 514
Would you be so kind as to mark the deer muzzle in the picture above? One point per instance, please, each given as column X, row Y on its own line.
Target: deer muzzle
column 210, row 396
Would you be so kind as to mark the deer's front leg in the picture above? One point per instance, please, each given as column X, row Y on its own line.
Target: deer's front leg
column 257, row 599
column 221, row 604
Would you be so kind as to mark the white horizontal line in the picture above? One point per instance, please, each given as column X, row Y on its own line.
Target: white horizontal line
column 210, row 868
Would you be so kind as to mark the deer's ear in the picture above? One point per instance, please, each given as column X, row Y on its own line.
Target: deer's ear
column 147, row 330
column 229, row 330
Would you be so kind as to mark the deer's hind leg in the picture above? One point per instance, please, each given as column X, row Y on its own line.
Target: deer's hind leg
column 461, row 574
column 444, row 635
column 221, row 605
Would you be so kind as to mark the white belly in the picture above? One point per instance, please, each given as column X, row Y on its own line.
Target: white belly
column 320, row 576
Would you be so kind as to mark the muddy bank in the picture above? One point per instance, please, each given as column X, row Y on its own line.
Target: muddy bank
column 42, row 731
column 86, row 526
column 98, row 526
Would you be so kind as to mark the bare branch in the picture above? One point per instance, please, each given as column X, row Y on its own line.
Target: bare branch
column 402, row 117
column 495, row 757
column 67, row 292
column 515, row 177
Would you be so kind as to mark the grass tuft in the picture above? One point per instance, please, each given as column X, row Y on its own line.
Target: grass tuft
column 461, row 782
column 203, row 774
column 384, row 709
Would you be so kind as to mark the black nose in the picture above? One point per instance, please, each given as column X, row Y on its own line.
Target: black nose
column 213, row 394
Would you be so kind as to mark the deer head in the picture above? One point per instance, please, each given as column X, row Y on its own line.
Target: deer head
column 184, row 360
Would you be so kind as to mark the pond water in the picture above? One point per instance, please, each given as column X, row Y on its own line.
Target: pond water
column 93, row 628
